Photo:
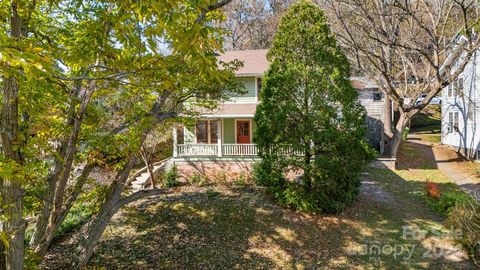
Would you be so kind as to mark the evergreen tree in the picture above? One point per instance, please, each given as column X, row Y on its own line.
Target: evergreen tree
column 309, row 119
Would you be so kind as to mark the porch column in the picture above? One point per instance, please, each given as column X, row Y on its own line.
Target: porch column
column 175, row 141
column 219, row 138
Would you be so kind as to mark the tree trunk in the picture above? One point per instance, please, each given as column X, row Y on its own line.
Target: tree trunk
column 11, row 190
column 52, row 215
column 43, row 217
column 387, row 121
column 397, row 134
column 144, row 155
column 100, row 221
column 307, row 178
column 45, row 239
column 13, row 196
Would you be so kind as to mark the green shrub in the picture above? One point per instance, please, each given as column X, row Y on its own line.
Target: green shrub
column 448, row 200
column 212, row 193
column 198, row 179
column 241, row 179
column 465, row 216
column 405, row 133
column 171, row 178
column 220, row 177
column 295, row 196
column 84, row 208
column 266, row 174
column 78, row 215
column 32, row 260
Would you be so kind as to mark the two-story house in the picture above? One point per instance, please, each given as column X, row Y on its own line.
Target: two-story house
column 461, row 111
column 220, row 141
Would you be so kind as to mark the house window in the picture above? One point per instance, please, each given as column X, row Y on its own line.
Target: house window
column 453, row 120
column 202, row 132
column 455, row 88
column 377, row 96
column 259, row 86
column 213, row 131
column 207, row 131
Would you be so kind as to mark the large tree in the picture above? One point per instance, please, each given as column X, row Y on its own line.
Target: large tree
column 408, row 47
column 309, row 120
column 83, row 84
column 252, row 23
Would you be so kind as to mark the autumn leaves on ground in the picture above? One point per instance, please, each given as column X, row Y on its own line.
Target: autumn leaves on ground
column 235, row 226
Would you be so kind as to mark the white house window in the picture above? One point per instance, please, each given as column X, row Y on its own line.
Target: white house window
column 207, row 131
column 377, row 96
column 455, row 88
column 453, row 120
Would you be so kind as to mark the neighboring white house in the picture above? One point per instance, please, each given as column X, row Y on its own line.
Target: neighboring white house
column 461, row 111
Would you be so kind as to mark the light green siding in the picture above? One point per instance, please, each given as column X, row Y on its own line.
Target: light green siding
column 250, row 87
column 229, row 131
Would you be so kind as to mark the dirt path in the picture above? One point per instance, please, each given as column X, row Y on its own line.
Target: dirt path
column 449, row 162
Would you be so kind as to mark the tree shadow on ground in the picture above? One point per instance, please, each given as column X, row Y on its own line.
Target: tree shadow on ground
column 415, row 155
column 228, row 228
column 233, row 227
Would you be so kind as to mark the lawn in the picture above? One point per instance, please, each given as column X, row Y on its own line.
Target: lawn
column 428, row 120
column 240, row 227
column 428, row 123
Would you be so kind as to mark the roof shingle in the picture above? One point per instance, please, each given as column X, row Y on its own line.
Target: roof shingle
column 254, row 61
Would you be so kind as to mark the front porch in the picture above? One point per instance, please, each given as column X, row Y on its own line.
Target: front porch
column 215, row 137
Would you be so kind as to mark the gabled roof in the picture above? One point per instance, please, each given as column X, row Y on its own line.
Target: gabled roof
column 255, row 64
column 254, row 61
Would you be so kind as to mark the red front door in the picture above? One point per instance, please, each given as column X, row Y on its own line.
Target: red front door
column 243, row 132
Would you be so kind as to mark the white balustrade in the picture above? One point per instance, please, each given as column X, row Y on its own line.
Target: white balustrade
column 228, row 150
column 197, row 150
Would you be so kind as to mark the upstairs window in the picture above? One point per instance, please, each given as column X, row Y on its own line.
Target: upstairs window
column 259, row 86
column 455, row 88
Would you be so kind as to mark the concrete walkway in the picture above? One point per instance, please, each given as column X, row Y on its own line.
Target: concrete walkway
column 445, row 165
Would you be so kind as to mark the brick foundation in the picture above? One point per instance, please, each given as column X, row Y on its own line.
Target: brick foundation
column 221, row 169
column 215, row 169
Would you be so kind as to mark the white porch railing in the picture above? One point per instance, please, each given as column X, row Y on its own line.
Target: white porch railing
column 213, row 150
column 239, row 149
column 192, row 150
column 197, row 150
